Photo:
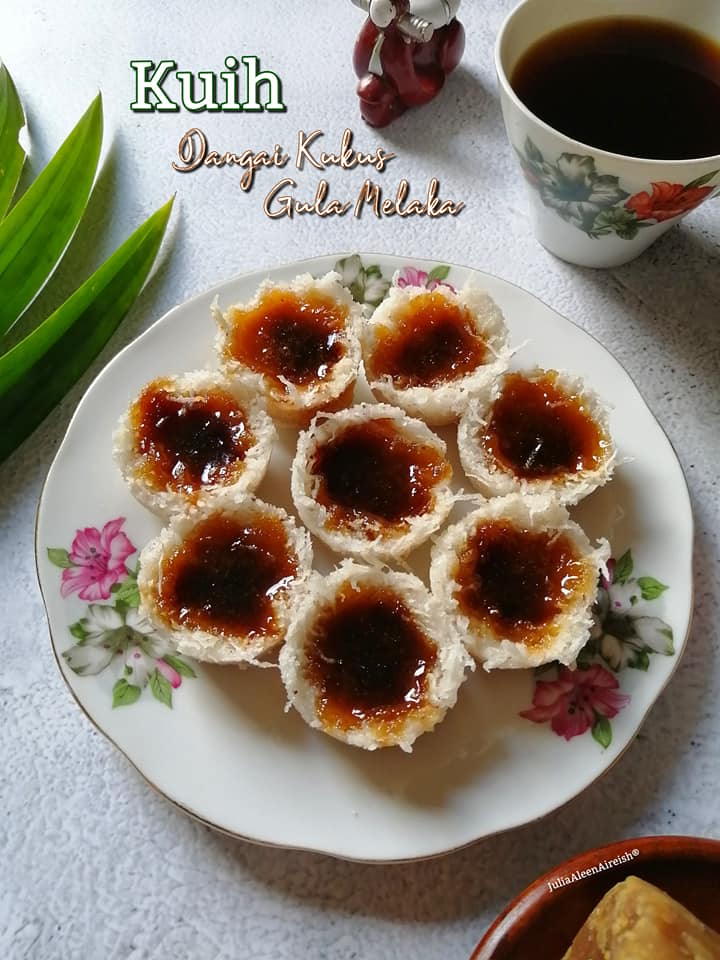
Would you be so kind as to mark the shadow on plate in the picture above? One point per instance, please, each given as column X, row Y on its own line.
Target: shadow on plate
column 469, row 739
column 441, row 763
column 257, row 697
column 610, row 512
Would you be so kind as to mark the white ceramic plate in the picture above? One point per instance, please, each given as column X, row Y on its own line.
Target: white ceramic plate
column 227, row 753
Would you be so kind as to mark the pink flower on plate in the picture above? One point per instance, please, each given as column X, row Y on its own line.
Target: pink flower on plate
column 98, row 561
column 412, row 277
column 574, row 701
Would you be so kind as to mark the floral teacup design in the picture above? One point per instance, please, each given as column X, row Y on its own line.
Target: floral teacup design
column 590, row 206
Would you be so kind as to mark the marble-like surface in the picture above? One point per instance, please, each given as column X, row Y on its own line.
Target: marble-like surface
column 95, row 864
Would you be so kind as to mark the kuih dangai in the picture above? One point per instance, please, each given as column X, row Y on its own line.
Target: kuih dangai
column 368, row 654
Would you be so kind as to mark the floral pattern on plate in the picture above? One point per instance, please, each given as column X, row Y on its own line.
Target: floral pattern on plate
column 365, row 283
column 413, row 277
column 369, row 287
column 596, row 204
column 114, row 634
column 622, row 636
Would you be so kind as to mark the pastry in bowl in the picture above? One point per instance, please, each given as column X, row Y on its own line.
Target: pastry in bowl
column 222, row 581
column 537, row 431
column 429, row 351
column 371, row 482
column 188, row 437
column 637, row 921
column 369, row 658
column 297, row 345
column 518, row 578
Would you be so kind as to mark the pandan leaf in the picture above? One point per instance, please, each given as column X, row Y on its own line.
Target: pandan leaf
column 12, row 155
column 39, row 227
column 37, row 372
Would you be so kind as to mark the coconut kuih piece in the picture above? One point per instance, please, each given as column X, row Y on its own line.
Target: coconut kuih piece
column 537, row 431
column 430, row 351
column 519, row 578
column 188, row 437
column 371, row 482
column 369, row 658
column 222, row 580
column 296, row 344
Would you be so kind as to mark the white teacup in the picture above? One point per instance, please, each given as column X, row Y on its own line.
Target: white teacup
column 635, row 200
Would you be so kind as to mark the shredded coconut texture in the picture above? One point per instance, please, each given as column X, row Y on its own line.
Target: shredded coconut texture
column 167, row 502
column 288, row 402
column 570, row 630
column 203, row 644
column 444, row 402
column 360, row 538
column 494, row 480
column 443, row 680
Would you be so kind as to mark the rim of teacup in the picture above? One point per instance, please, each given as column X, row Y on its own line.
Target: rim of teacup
column 504, row 81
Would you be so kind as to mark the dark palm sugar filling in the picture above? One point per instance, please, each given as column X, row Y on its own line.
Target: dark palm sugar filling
column 368, row 659
column 187, row 442
column 226, row 575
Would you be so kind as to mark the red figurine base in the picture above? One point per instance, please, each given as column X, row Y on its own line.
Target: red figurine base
column 404, row 63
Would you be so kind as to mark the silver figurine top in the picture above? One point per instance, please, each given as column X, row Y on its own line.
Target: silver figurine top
column 419, row 23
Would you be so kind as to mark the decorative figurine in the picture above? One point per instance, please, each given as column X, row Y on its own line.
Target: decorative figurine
column 403, row 54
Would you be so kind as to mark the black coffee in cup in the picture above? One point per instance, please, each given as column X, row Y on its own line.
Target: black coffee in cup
column 631, row 85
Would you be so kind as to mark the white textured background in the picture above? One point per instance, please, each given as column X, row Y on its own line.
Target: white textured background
column 93, row 864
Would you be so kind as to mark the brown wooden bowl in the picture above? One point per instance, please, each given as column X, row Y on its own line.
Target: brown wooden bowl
column 542, row 922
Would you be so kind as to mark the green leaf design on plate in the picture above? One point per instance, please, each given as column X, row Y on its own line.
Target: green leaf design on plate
column 125, row 694
column 602, row 731
column 376, row 286
column 161, row 688
column 59, row 557
column 37, row 372
column 12, row 155
column 650, row 588
column 440, row 272
column 366, row 284
column 126, row 592
column 670, row 649
column 623, row 567
column 78, row 631
column 184, row 669
column 39, row 227
column 639, row 659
